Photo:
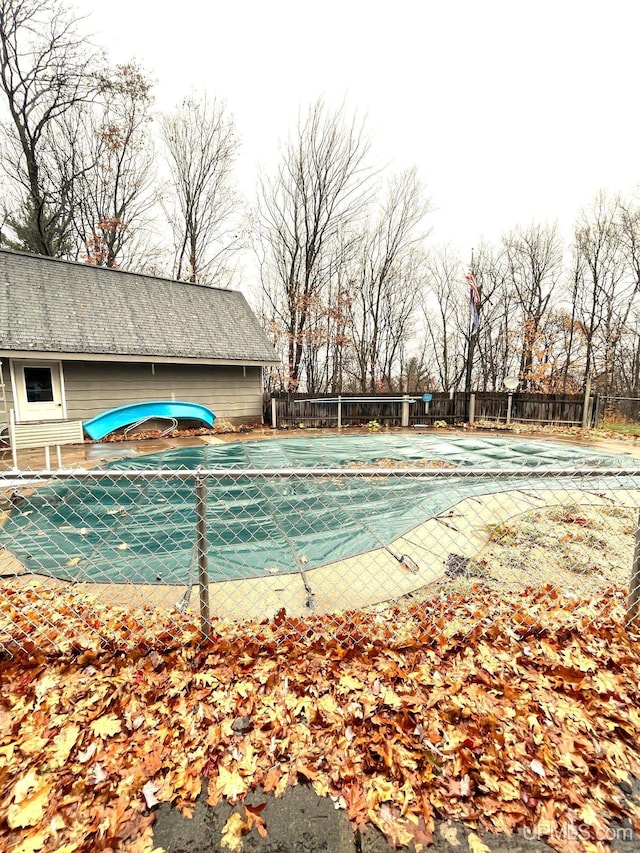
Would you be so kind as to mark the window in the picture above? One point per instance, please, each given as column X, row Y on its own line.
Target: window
column 38, row 382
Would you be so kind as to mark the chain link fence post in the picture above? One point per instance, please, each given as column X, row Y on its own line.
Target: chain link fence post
column 634, row 585
column 202, row 556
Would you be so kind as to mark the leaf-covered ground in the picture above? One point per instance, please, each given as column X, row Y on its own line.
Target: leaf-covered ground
column 402, row 716
column 584, row 550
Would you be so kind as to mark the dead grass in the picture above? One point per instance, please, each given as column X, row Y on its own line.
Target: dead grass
column 583, row 550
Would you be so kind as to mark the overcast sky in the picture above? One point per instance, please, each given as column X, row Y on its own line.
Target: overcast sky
column 512, row 112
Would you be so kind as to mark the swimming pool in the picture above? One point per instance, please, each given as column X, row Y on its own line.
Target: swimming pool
column 120, row 529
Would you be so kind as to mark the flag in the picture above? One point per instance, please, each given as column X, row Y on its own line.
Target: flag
column 474, row 295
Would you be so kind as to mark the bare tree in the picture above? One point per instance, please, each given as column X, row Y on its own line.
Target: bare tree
column 497, row 352
column 629, row 213
column 113, row 193
column 629, row 363
column 321, row 185
column 45, row 71
column 604, row 295
column 534, row 258
column 388, row 280
column 575, row 338
column 201, row 146
column 445, row 316
column 326, row 363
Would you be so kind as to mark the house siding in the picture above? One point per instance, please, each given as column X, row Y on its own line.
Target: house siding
column 92, row 387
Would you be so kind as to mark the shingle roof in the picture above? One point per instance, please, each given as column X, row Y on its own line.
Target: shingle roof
column 64, row 307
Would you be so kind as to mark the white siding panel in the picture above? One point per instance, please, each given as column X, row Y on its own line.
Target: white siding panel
column 47, row 434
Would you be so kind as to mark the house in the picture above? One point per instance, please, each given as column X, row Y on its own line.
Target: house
column 76, row 340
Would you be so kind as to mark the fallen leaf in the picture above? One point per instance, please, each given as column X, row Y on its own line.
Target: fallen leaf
column 106, row 726
column 450, row 834
column 465, row 785
column 65, row 740
column 87, row 754
column 334, row 710
column 233, row 831
column 97, row 774
column 537, row 767
column 149, row 792
column 230, row 783
column 30, row 810
column 25, row 784
column 33, row 745
column 32, row 843
column 272, row 779
column 255, row 819
column 348, row 683
column 476, row 845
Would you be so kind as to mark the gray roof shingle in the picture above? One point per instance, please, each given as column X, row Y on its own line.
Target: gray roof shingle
column 60, row 306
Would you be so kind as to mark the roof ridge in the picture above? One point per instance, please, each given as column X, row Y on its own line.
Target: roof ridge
column 66, row 261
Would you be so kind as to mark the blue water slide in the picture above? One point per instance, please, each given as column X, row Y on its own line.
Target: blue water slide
column 135, row 413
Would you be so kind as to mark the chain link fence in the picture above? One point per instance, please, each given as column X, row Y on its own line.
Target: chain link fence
column 118, row 558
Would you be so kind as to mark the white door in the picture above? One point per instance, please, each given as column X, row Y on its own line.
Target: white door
column 38, row 387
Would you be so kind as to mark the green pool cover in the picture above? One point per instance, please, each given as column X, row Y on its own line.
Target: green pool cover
column 128, row 530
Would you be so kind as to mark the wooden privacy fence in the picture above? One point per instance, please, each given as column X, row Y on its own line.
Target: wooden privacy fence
column 330, row 410
column 564, row 409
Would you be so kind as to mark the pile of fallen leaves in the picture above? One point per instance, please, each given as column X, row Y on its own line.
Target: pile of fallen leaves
column 392, row 464
column 529, row 428
column 148, row 434
column 403, row 717
column 223, row 428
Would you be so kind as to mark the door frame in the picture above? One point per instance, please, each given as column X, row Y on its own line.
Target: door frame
column 18, row 386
